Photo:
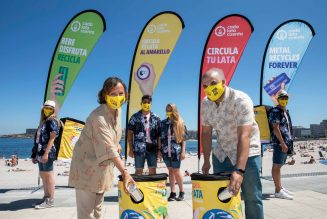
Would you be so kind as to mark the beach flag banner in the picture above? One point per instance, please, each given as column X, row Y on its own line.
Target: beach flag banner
column 282, row 57
column 71, row 132
column 154, row 203
column 261, row 118
column 155, row 45
column 72, row 50
column 223, row 49
column 205, row 199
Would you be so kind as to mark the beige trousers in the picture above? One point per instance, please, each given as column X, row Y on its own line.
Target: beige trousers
column 89, row 204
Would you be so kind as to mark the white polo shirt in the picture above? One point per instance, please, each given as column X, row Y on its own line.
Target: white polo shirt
column 236, row 109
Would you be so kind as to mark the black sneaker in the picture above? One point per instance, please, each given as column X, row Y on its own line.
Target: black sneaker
column 172, row 197
column 180, row 197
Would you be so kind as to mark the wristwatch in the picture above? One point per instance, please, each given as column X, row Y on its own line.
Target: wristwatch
column 239, row 170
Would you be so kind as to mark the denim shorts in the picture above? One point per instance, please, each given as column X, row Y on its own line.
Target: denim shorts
column 46, row 166
column 251, row 185
column 151, row 159
column 172, row 163
column 279, row 157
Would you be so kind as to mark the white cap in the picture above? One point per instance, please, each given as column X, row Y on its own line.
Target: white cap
column 50, row 103
column 282, row 93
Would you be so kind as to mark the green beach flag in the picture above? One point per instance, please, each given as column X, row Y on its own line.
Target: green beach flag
column 73, row 47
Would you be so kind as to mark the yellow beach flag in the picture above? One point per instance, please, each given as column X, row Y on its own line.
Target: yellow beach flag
column 70, row 134
column 155, row 45
column 261, row 118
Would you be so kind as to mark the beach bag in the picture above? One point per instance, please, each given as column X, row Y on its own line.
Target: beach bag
column 58, row 138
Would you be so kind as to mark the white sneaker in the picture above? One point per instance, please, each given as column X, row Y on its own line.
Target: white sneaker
column 283, row 195
column 288, row 191
column 48, row 203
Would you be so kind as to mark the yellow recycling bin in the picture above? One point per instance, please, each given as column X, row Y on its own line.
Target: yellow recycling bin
column 154, row 202
column 206, row 204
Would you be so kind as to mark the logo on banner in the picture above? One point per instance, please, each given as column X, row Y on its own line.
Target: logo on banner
column 76, row 25
column 158, row 28
column 220, row 31
column 281, row 35
column 143, row 72
column 151, row 28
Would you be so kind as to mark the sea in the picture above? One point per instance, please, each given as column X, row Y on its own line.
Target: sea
column 23, row 147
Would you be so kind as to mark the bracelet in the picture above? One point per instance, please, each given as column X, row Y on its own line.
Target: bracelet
column 239, row 170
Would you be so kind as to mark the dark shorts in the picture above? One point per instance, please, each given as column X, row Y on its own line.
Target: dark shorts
column 46, row 167
column 150, row 157
column 279, row 157
column 173, row 164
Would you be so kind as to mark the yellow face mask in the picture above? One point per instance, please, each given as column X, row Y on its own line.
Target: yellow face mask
column 214, row 92
column 115, row 102
column 146, row 106
column 169, row 114
column 47, row 112
column 282, row 103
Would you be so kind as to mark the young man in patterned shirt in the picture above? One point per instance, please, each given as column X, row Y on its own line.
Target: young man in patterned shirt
column 282, row 142
column 143, row 136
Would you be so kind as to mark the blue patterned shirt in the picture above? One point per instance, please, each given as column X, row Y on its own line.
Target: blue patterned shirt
column 176, row 148
column 137, row 125
column 278, row 116
column 43, row 136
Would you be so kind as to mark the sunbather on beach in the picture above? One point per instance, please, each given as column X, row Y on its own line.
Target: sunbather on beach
column 291, row 162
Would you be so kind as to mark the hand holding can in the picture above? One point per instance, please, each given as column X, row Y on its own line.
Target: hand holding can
column 135, row 192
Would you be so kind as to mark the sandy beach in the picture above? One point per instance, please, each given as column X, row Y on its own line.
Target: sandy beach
column 25, row 174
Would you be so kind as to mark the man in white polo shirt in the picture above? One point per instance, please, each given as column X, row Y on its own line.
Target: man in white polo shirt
column 230, row 113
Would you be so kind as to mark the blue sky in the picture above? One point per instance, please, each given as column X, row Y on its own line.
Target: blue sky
column 30, row 30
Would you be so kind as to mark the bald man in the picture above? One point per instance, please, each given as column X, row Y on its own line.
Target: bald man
column 230, row 113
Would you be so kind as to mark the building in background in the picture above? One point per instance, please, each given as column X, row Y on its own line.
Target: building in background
column 319, row 130
column 30, row 131
column 301, row 132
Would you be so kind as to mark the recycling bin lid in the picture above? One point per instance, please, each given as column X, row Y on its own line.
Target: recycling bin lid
column 211, row 177
column 147, row 178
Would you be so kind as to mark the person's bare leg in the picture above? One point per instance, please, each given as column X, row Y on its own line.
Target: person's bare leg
column 50, row 184
column 45, row 184
column 179, row 179
column 152, row 170
column 171, row 180
column 139, row 171
column 275, row 172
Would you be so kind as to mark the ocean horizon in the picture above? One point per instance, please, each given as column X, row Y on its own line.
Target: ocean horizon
column 23, row 147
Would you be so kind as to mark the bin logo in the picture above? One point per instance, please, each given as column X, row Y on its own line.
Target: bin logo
column 130, row 214
column 217, row 214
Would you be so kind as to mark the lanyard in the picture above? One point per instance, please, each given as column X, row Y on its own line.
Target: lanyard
column 38, row 134
column 146, row 124
column 288, row 125
column 169, row 140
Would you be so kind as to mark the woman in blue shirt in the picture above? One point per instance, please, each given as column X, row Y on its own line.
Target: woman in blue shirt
column 44, row 152
column 172, row 148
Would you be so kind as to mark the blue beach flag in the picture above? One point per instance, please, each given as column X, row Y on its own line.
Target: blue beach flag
column 283, row 55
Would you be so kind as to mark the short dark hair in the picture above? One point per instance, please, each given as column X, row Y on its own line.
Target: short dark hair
column 147, row 97
column 108, row 85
